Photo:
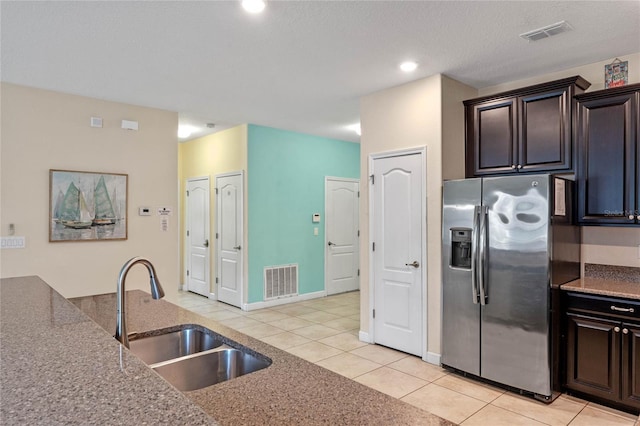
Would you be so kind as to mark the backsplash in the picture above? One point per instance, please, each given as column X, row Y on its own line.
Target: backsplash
column 612, row 272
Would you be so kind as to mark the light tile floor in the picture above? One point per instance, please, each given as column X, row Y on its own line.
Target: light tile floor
column 325, row 331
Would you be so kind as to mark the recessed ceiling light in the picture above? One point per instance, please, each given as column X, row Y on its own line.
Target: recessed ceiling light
column 355, row 128
column 185, row 131
column 253, row 6
column 408, row 66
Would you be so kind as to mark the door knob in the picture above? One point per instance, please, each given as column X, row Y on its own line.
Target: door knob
column 236, row 248
column 415, row 264
column 206, row 243
column 331, row 244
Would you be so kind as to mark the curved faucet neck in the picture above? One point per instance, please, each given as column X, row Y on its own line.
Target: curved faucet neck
column 156, row 292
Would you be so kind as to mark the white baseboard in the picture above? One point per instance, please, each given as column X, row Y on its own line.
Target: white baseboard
column 283, row 301
column 364, row 337
column 432, row 358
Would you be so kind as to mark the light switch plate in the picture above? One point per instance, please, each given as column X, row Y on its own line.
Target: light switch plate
column 12, row 242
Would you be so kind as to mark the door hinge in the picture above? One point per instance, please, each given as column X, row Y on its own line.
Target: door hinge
column 374, row 246
column 373, row 179
column 216, row 190
column 216, row 235
column 216, row 280
column 187, row 233
column 358, row 194
column 187, row 272
column 187, row 193
column 374, row 313
column 358, row 232
column 358, row 272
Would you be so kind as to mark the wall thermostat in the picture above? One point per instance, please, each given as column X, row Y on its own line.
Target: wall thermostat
column 315, row 218
column 144, row 211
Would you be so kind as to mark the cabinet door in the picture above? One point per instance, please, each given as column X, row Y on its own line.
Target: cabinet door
column 545, row 131
column 492, row 131
column 593, row 357
column 630, row 369
column 607, row 160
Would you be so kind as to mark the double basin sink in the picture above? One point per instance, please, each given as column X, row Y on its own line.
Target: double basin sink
column 192, row 357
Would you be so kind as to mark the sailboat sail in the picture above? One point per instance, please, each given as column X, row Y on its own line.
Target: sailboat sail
column 74, row 212
column 104, row 214
column 57, row 210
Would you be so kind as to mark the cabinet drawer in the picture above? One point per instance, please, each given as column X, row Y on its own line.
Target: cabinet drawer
column 603, row 305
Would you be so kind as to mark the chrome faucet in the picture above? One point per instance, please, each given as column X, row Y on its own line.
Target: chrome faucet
column 156, row 293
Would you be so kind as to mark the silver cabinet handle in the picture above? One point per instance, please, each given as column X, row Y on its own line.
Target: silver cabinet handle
column 519, row 166
column 513, row 166
column 415, row 264
column 616, row 329
column 638, row 217
column 615, row 308
column 236, row 248
column 625, row 331
column 206, row 243
column 631, row 217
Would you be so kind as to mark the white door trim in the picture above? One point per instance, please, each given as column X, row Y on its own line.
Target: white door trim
column 186, row 251
column 326, row 241
column 422, row 151
column 244, row 248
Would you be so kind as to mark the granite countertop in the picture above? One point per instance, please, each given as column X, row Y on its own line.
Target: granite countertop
column 604, row 287
column 608, row 280
column 60, row 368
column 59, row 365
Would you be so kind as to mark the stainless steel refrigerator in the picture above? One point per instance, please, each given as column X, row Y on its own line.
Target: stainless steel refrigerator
column 508, row 243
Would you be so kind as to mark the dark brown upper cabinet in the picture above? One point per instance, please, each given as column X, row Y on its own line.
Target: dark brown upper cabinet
column 608, row 152
column 524, row 130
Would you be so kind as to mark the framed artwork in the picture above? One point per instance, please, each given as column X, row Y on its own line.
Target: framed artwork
column 87, row 206
column 616, row 74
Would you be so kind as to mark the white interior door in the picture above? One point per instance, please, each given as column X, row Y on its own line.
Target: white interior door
column 341, row 232
column 229, row 193
column 198, row 260
column 398, row 256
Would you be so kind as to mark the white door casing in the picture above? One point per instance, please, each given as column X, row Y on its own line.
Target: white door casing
column 398, row 248
column 229, row 220
column 197, row 236
column 341, row 234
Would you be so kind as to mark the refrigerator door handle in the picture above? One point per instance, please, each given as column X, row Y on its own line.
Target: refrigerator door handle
column 474, row 255
column 482, row 246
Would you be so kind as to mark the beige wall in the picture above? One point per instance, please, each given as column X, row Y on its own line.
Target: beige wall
column 44, row 130
column 221, row 152
column 453, row 133
column 407, row 116
column 605, row 245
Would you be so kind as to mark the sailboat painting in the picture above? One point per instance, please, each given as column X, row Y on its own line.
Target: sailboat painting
column 87, row 206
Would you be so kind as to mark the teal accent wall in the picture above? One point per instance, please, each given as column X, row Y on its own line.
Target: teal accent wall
column 285, row 186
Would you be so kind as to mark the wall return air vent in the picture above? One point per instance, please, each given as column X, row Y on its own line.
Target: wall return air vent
column 548, row 31
column 280, row 281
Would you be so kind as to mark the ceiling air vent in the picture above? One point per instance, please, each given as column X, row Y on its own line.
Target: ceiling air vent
column 548, row 31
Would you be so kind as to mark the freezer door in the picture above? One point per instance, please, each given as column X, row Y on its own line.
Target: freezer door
column 461, row 310
column 515, row 319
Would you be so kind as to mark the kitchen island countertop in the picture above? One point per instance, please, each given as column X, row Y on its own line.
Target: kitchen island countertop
column 59, row 367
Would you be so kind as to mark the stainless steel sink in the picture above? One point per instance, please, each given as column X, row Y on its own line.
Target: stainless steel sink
column 192, row 357
column 206, row 369
column 171, row 343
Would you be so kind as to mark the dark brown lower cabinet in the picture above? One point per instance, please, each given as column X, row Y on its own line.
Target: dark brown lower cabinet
column 603, row 357
column 630, row 365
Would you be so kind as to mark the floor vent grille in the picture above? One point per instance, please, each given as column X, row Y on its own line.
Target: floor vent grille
column 280, row 281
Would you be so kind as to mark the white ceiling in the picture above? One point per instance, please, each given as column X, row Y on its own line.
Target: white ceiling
column 300, row 65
